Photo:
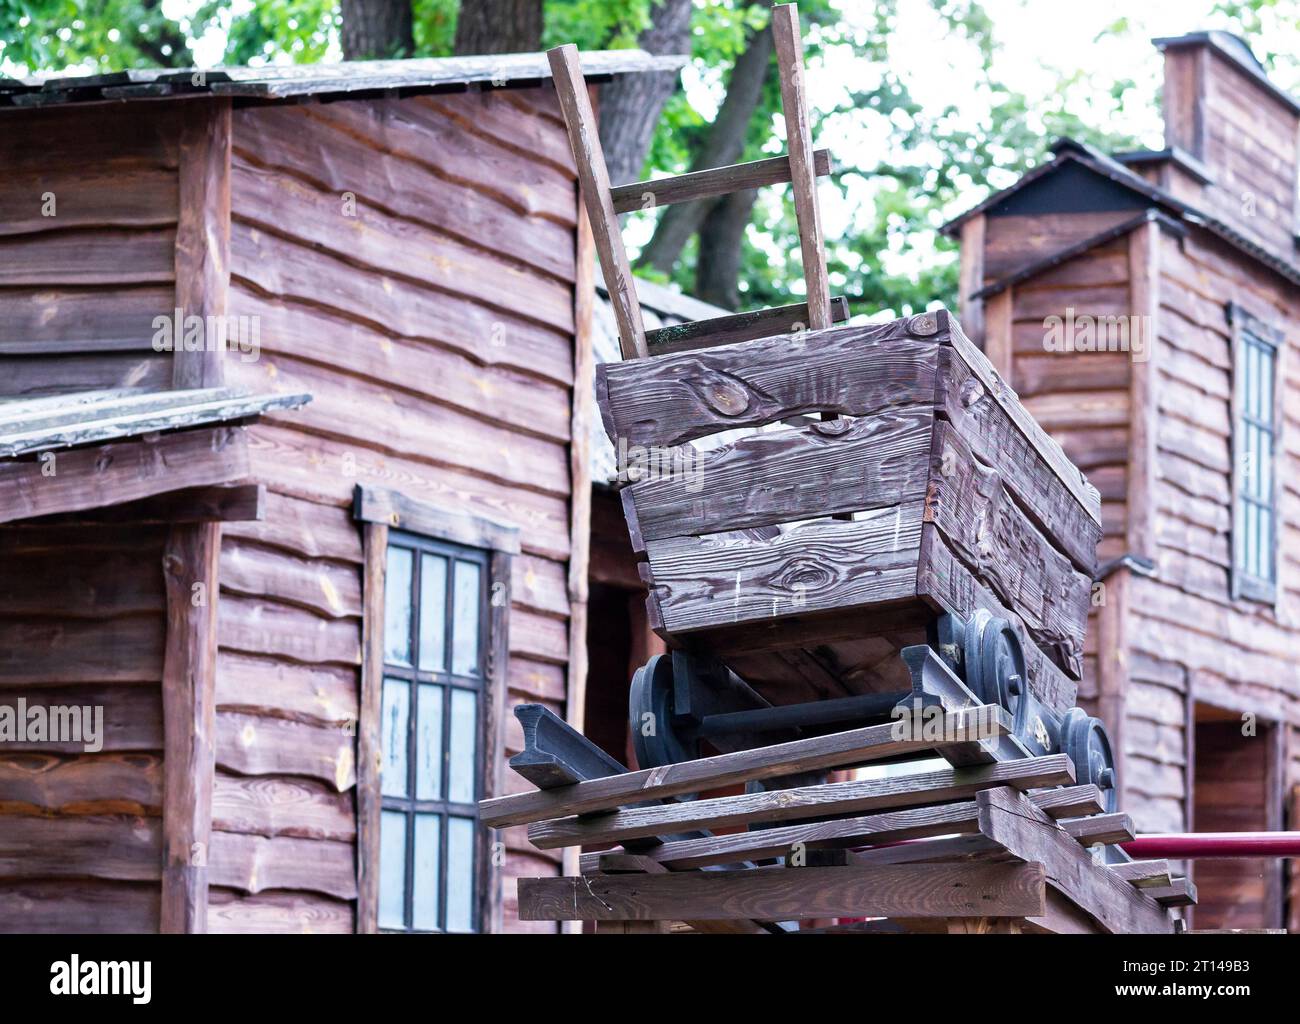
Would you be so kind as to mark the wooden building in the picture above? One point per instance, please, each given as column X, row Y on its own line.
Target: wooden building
column 261, row 595
column 1146, row 307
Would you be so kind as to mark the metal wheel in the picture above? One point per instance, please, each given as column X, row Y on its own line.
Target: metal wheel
column 995, row 665
column 650, row 714
column 1085, row 740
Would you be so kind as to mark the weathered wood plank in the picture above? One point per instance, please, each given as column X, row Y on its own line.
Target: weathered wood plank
column 132, row 715
column 802, row 802
column 255, row 745
column 202, row 262
column 121, row 471
column 59, row 321
column 77, row 906
column 81, row 846
column 255, row 863
column 788, row 893
column 593, row 179
column 716, row 181
column 312, row 694
column 80, row 783
column 1144, row 874
column 714, row 332
column 1028, row 834
column 88, row 256
column 230, row 913
column 256, row 626
column 803, row 175
column 724, row 581
column 969, row 504
column 1100, row 828
column 282, row 806
column 851, row 371
column 369, row 737
column 189, row 566
column 856, row 746
column 845, row 465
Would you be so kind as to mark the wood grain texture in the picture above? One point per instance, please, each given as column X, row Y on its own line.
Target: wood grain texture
column 716, row 181
column 802, row 802
column 803, row 174
column 81, row 784
column 593, row 179
column 850, row 371
column 785, row 893
column 77, row 906
column 369, row 743
column 854, row 746
column 118, row 847
column 253, row 864
column 190, row 571
column 232, row 913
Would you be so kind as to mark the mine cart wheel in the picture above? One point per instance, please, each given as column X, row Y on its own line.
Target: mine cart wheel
column 1085, row 740
column 995, row 665
column 650, row 713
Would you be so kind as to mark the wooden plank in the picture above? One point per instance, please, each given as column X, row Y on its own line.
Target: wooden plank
column 1028, row 834
column 803, row 175
column 260, row 745
column 845, row 465
column 369, row 740
column 203, row 236
column 998, row 315
column 190, row 570
column 43, row 320
column 1144, row 246
column 631, row 864
column 1181, row 892
column 802, row 802
column 254, row 864
column 233, row 503
column 80, row 783
column 727, row 330
column 401, row 512
column 835, row 750
column 970, row 277
column 970, row 505
column 80, row 906
column 231, row 913
column 593, row 178
column 122, row 471
column 89, row 256
column 1144, row 874
column 716, row 181
column 282, row 806
column 1069, row 801
column 786, row 893
column 132, row 716
column 1101, row 828
column 851, row 371
column 727, row 581
column 493, row 739
column 81, row 846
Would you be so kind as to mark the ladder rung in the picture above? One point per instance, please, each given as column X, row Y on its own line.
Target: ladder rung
column 724, row 330
column 717, row 181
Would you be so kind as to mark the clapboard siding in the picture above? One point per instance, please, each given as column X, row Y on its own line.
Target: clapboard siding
column 88, row 211
column 411, row 264
column 82, row 624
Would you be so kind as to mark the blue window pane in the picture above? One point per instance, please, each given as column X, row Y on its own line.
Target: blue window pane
column 428, row 853
column 395, row 736
column 468, row 597
column 433, row 613
column 397, row 607
column 392, row 870
column 460, row 874
column 463, row 757
column 428, row 744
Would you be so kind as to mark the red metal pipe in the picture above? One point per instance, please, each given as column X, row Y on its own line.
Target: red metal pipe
column 1193, row 845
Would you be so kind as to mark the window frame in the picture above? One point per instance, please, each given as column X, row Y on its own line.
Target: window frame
column 1250, row 331
column 380, row 511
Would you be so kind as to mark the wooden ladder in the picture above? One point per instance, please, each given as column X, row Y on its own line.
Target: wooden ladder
column 604, row 203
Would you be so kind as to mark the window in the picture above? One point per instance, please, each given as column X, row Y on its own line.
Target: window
column 431, row 715
column 1256, row 348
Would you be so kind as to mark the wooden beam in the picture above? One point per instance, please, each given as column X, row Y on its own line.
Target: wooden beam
column 1181, row 892
column 997, row 332
column 1069, row 801
column 1028, row 834
column 369, row 745
column 971, row 277
column 593, row 183
column 121, row 471
column 748, row 326
column 394, row 509
column 1144, row 300
column 492, row 848
column 932, row 890
column 203, row 236
column 1145, row 874
column 855, row 746
column 238, row 503
column 802, row 802
column 716, row 181
column 190, row 572
column 1101, row 828
column 798, row 130
column 630, row 864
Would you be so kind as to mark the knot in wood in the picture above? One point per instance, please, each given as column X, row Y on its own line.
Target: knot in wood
column 971, row 392
column 804, row 574
column 726, row 396
column 923, row 325
column 833, row 428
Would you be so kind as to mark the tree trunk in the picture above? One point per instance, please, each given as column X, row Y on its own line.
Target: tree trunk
column 724, row 144
column 630, row 105
column 717, row 268
column 376, row 29
column 499, row 26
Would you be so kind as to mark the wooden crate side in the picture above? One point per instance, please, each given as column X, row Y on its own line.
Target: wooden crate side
column 823, row 566
column 969, row 504
column 838, row 466
column 847, row 371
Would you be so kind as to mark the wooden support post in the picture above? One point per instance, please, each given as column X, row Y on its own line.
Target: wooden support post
column 997, row 314
column 803, row 174
column 971, row 278
column 203, row 236
column 189, row 712
column 491, row 847
column 369, row 752
column 593, row 183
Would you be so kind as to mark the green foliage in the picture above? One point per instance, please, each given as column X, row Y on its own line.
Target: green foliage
column 103, row 34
